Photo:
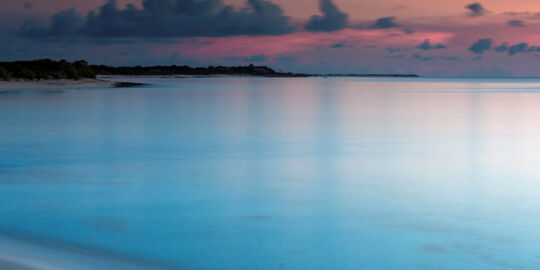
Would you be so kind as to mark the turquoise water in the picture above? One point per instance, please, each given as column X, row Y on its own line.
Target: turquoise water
column 254, row 173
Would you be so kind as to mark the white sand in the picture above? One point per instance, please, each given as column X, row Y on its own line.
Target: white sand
column 22, row 85
column 180, row 76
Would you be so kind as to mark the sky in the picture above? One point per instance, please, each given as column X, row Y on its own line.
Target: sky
column 493, row 38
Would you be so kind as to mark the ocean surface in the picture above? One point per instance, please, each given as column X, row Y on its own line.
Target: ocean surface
column 280, row 173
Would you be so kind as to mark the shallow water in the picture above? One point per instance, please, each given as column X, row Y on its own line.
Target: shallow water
column 254, row 173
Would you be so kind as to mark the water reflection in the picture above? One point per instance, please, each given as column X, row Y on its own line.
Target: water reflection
column 278, row 173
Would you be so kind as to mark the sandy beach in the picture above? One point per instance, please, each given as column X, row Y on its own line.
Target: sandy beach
column 26, row 85
column 178, row 76
column 104, row 81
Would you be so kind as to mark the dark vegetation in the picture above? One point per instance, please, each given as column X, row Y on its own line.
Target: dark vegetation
column 46, row 69
column 370, row 75
column 196, row 71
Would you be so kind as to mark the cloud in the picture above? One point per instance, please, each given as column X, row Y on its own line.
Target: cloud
column 476, row 9
column 27, row 5
column 502, row 48
column 394, row 50
column 533, row 49
column 332, row 19
column 487, row 72
column 396, row 56
column 419, row 57
column 522, row 47
column 289, row 63
column 138, row 56
column 168, row 18
column 286, row 59
column 482, row 45
column 408, row 30
column 518, row 48
column 64, row 23
column 516, row 23
column 385, row 23
column 478, row 58
column 450, row 58
column 256, row 58
column 338, row 45
column 426, row 45
column 513, row 13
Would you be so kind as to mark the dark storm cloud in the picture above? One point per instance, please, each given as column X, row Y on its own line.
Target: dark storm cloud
column 385, row 23
column 63, row 23
column 111, row 41
column 476, row 9
column 426, row 45
column 482, row 45
column 332, row 19
column 168, row 18
column 516, row 23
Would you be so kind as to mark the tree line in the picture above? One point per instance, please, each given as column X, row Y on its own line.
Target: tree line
column 46, row 69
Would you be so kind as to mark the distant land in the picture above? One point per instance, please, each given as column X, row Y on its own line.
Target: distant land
column 47, row 69
column 365, row 75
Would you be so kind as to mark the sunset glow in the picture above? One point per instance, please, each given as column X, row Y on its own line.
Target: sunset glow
column 370, row 36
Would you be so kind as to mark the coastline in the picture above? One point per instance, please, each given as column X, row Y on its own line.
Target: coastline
column 101, row 81
column 179, row 76
column 114, row 81
column 63, row 84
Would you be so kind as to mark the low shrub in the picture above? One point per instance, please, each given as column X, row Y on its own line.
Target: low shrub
column 4, row 74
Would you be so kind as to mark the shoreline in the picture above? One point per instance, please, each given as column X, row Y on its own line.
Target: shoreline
column 179, row 76
column 62, row 84
column 101, row 81
column 114, row 81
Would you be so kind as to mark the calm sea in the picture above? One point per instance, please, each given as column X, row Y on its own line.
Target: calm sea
column 281, row 173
